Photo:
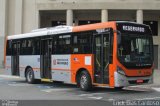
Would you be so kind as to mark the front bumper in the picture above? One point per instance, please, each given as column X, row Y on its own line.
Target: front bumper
column 123, row 81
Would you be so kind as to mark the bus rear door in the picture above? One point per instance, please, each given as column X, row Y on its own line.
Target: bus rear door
column 15, row 58
column 45, row 58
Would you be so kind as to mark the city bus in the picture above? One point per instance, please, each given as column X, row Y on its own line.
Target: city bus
column 112, row 54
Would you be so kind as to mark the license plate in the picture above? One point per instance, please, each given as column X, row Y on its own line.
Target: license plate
column 139, row 81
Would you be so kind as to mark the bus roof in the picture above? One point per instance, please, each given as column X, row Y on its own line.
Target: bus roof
column 42, row 32
column 131, row 23
column 111, row 24
column 67, row 29
column 60, row 30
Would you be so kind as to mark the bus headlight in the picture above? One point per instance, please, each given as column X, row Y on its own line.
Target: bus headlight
column 120, row 71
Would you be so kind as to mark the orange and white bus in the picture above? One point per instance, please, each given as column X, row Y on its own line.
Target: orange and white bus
column 111, row 54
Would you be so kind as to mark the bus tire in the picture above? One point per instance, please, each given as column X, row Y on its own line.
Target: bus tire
column 85, row 82
column 30, row 76
column 118, row 88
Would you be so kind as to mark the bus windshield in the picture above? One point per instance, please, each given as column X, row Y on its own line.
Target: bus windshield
column 135, row 50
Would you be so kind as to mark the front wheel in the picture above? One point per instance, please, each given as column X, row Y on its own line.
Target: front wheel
column 85, row 81
column 118, row 88
column 30, row 76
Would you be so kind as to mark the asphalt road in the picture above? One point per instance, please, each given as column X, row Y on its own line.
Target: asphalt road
column 16, row 89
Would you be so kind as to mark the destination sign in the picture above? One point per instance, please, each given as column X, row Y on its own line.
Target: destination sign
column 133, row 28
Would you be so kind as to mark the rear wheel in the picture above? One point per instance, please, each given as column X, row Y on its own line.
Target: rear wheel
column 30, row 76
column 85, row 81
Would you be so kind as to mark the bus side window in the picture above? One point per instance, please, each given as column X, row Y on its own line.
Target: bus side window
column 23, row 47
column 63, row 45
column 36, row 47
column 54, row 45
column 28, row 50
column 82, row 42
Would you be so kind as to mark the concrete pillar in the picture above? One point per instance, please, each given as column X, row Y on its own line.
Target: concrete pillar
column 2, row 17
column 69, row 17
column 3, row 4
column 139, row 16
column 104, row 15
column 37, row 18
column 37, row 25
column 30, row 15
column 140, row 21
column 76, row 22
column 18, row 16
column 159, row 27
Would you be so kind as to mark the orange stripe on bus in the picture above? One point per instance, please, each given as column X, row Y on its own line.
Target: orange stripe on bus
column 36, row 68
column 32, row 68
column 94, row 26
column 61, row 69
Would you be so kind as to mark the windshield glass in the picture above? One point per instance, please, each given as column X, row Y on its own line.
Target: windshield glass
column 135, row 50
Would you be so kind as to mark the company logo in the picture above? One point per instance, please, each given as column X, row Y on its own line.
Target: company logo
column 60, row 62
column 75, row 59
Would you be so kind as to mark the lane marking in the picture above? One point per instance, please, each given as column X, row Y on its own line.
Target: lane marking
column 92, row 96
column 97, row 98
column 98, row 93
column 137, row 89
column 44, row 87
column 54, row 90
column 149, row 98
column 9, row 76
column 157, row 89
column 47, row 90
column 85, row 95
column 110, row 99
column 18, row 85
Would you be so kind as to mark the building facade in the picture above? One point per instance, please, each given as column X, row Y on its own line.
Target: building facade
column 22, row 16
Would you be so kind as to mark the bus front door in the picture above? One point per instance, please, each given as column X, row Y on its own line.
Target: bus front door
column 45, row 59
column 101, row 46
column 15, row 58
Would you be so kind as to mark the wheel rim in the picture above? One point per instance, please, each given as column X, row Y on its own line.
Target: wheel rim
column 29, row 76
column 83, row 81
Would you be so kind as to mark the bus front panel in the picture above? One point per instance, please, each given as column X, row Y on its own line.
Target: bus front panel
column 135, row 55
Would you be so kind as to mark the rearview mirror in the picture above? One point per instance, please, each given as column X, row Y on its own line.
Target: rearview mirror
column 110, row 59
column 118, row 37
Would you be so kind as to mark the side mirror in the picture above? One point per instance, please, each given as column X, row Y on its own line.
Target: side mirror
column 118, row 37
column 110, row 59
